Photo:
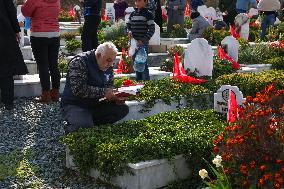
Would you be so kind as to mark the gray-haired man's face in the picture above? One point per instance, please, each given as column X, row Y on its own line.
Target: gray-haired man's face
column 106, row 60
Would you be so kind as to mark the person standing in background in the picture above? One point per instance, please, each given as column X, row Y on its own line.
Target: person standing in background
column 158, row 15
column 228, row 7
column 120, row 6
column 243, row 6
column 92, row 15
column 11, row 59
column 45, row 44
column 175, row 12
column 194, row 4
column 152, row 6
column 269, row 9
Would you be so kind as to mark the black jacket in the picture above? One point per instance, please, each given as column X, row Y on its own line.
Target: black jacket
column 11, row 59
column 228, row 5
column 92, row 7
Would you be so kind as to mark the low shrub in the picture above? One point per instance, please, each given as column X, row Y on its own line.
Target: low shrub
column 115, row 31
column 214, row 37
column 257, row 54
column 68, row 36
column 177, row 32
column 251, row 83
column 73, row 45
column 276, row 63
column 110, row 148
column 168, row 91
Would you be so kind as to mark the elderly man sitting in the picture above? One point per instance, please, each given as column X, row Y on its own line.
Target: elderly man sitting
column 89, row 79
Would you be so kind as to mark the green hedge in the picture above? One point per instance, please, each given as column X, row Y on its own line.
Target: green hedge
column 109, row 148
column 169, row 91
column 252, row 83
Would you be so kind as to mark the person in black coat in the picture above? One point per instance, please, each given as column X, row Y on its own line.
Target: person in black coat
column 11, row 59
column 228, row 7
column 158, row 15
column 92, row 15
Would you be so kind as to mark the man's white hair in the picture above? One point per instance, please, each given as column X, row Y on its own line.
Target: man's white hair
column 105, row 47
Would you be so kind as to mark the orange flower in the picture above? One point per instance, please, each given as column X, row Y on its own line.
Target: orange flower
column 227, row 171
column 267, row 176
column 215, row 149
column 252, row 126
column 243, row 169
column 255, row 100
column 277, row 186
column 252, row 164
column 262, row 168
column 260, row 182
column 278, row 161
column 249, row 98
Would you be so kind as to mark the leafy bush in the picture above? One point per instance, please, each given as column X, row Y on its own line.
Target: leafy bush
column 257, row 54
column 62, row 65
column 109, row 148
column 167, row 65
column 276, row 63
column 251, row 83
column 68, row 36
column 121, row 42
column 168, row 90
column 64, row 16
column 187, row 23
column 221, row 67
column 177, row 32
column 253, row 147
column 73, row 45
column 214, row 37
column 115, row 31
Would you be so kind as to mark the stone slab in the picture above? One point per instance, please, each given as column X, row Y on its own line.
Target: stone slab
column 32, row 67
column 29, row 85
column 147, row 175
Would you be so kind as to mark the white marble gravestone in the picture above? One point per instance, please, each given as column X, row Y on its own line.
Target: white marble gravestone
column 156, row 39
column 208, row 12
column 233, row 46
column 199, row 56
column 221, row 98
column 110, row 12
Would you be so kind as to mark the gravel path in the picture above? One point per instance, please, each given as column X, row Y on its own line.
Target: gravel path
column 36, row 129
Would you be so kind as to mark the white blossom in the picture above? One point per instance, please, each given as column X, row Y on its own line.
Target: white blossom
column 217, row 161
column 203, row 173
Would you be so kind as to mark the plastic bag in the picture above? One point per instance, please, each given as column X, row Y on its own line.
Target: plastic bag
column 133, row 47
column 140, row 60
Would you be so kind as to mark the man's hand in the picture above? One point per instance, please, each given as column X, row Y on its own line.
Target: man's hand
column 175, row 8
column 226, row 12
column 109, row 94
column 18, row 37
column 120, row 100
column 140, row 42
column 130, row 35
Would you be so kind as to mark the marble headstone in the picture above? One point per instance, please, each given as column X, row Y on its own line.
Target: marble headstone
column 128, row 11
column 199, row 57
column 233, row 46
column 221, row 98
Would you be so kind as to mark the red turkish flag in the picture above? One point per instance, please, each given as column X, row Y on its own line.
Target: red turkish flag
column 71, row 12
column 232, row 114
column 223, row 55
column 234, row 33
column 180, row 75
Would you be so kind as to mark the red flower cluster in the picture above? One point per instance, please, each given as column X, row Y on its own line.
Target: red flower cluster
column 253, row 146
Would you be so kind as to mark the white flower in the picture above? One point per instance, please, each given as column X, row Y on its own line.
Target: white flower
column 203, row 173
column 217, row 161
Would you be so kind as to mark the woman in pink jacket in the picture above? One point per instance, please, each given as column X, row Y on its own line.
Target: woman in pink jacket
column 45, row 43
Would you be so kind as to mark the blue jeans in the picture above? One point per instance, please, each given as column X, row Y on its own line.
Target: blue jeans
column 267, row 21
column 142, row 76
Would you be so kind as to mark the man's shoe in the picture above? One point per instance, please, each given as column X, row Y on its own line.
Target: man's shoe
column 54, row 94
column 45, row 97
